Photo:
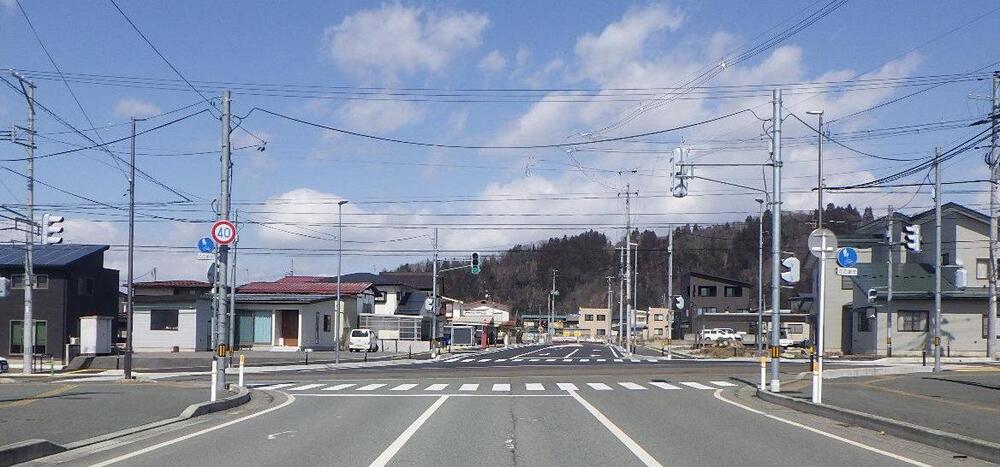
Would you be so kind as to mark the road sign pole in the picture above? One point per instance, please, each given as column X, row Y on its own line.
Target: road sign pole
column 817, row 393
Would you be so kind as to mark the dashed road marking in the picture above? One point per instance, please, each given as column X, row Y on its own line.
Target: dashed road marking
column 468, row 387
column 501, row 387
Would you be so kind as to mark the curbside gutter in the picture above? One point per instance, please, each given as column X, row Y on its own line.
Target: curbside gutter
column 973, row 447
column 869, row 371
column 32, row 449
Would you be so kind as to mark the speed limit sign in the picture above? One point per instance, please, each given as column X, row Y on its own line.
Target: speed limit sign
column 223, row 232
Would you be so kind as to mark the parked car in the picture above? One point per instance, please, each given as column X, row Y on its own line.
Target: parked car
column 719, row 335
column 730, row 332
column 4, row 366
column 363, row 340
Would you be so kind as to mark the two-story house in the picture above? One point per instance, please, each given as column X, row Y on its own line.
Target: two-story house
column 70, row 282
column 714, row 302
column 401, row 304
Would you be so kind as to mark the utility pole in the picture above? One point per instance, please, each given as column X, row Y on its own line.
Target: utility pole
column 991, row 319
column 628, row 268
column 434, row 291
column 610, row 295
column 222, row 271
column 552, row 308
column 337, row 314
column 758, row 339
column 621, row 296
column 28, row 327
column 776, row 243
column 888, row 298
column 670, row 284
column 131, row 258
column 937, row 261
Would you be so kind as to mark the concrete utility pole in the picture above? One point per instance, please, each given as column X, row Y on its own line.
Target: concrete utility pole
column 776, row 243
column 552, row 308
column 434, row 290
column 131, row 258
column 28, row 339
column 610, row 295
column 819, row 169
column 628, row 269
column 937, row 261
column 340, row 260
column 991, row 319
column 888, row 298
column 621, row 296
column 222, row 270
column 760, row 281
column 670, row 284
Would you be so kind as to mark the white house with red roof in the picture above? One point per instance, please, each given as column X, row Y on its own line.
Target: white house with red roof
column 297, row 312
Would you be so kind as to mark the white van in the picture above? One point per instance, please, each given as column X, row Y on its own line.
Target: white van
column 363, row 340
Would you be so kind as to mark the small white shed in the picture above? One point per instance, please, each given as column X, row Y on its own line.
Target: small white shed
column 95, row 335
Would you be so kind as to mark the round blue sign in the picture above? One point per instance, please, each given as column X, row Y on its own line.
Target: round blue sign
column 847, row 257
column 206, row 245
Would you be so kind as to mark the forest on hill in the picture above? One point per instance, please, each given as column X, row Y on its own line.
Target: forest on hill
column 522, row 276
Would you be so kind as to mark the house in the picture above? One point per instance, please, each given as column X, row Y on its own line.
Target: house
column 401, row 304
column 595, row 323
column 854, row 325
column 656, row 322
column 715, row 302
column 71, row 282
column 297, row 312
column 483, row 315
column 171, row 315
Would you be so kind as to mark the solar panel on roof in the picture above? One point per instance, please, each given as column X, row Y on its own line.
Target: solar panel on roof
column 47, row 255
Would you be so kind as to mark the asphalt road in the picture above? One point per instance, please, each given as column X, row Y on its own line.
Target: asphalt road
column 642, row 414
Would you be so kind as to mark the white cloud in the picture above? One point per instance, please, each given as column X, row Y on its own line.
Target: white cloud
column 623, row 41
column 395, row 39
column 493, row 62
column 126, row 108
column 381, row 116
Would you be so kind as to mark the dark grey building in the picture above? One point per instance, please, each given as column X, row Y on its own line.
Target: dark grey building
column 715, row 302
column 71, row 282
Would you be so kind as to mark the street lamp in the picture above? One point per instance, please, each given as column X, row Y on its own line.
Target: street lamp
column 340, row 260
column 819, row 172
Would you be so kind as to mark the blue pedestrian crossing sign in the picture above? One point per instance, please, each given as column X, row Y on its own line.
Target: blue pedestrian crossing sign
column 847, row 257
column 206, row 245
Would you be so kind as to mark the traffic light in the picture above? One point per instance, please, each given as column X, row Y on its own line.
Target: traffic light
column 681, row 173
column 792, row 274
column 51, row 228
column 872, row 295
column 911, row 237
column 678, row 302
column 475, row 263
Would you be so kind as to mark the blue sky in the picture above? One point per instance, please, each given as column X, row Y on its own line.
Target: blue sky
column 463, row 45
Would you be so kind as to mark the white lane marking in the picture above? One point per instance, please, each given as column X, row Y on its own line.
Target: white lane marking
column 277, row 386
column 631, row 386
column 501, row 359
column 724, row 384
column 567, row 359
column 371, row 387
column 306, row 387
column 550, row 359
column 652, row 360
column 718, row 395
column 154, row 447
column 602, row 359
column 468, row 387
column 663, row 385
column 436, row 387
column 468, row 360
column 384, row 458
column 404, row 387
column 618, row 360
column 635, row 360
column 338, row 387
column 531, row 352
column 404, row 394
column 501, row 387
column 515, row 360
column 584, row 360
column 629, row 443
column 614, row 353
column 692, row 384
column 599, row 386
column 534, row 359
column 534, row 387
column 485, row 359
column 567, row 386
column 571, row 353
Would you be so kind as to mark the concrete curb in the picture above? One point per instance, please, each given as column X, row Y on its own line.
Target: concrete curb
column 25, row 451
column 869, row 371
column 973, row 447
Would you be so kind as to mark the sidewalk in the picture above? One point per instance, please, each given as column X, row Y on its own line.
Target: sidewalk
column 964, row 402
column 67, row 413
column 201, row 361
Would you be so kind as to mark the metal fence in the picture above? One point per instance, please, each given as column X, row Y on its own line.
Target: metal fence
column 408, row 326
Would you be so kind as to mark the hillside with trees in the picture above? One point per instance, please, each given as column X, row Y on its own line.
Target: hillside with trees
column 522, row 276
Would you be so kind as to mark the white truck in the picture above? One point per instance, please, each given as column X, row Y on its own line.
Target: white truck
column 363, row 340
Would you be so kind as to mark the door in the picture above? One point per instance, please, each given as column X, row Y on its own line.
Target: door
column 847, row 332
column 290, row 327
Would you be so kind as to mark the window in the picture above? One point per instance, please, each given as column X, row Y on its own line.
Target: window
column 846, row 283
column 912, row 321
column 733, row 291
column 982, row 268
column 795, row 328
column 381, row 297
column 85, row 286
column 986, row 325
column 708, row 309
column 163, row 320
column 602, row 332
column 588, row 317
column 864, row 324
column 17, row 337
column 602, row 318
column 658, row 317
column 659, row 331
column 707, row 291
column 944, row 259
column 41, row 281
column 327, row 323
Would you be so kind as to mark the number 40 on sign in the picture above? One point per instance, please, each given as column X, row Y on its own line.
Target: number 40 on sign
column 223, row 232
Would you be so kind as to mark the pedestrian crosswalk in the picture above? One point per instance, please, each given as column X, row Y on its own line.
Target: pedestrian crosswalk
column 478, row 359
column 527, row 388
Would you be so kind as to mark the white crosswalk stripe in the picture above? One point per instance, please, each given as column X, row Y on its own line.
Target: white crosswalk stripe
column 485, row 359
column 566, row 386
column 602, row 359
column 691, row 384
column 436, row 387
column 516, row 360
column 468, row 387
column 371, row 387
column 534, row 387
column 631, row 386
column 599, row 386
column 534, row 360
column 404, row 387
column 662, row 385
column 584, row 360
column 306, row 387
column 618, row 360
column 501, row 387
column 550, row 359
column 723, row 384
column 501, row 359
column 635, row 360
column 277, row 386
column 567, row 359
column 338, row 387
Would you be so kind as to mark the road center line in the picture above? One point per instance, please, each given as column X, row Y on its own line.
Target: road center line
column 718, row 395
column 154, row 447
column 629, row 443
column 405, row 436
